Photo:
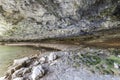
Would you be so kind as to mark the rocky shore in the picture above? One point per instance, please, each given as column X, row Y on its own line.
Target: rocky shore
column 66, row 65
column 93, row 21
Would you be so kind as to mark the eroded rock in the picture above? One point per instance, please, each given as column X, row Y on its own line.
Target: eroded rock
column 20, row 61
column 43, row 60
column 18, row 73
column 52, row 57
column 40, row 19
column 2, row 78
column 37, row 72
column 36, row 63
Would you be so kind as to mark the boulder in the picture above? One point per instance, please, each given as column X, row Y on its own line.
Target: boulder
column 43, row 60
column 41, row 19
column 37, row 72
column 52, row 57
column 20, row 61
column 18, row 73
column 2, row 78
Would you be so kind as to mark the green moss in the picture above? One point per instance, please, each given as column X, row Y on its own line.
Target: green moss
column 90, row 59
column 113, row 59
column 115, row 52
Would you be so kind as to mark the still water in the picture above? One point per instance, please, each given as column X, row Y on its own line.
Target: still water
column 9, row 53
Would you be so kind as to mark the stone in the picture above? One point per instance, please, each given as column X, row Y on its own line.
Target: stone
column 26, row 70
column 10, row 71
column 46, row 18
column 19, row 78
column 36, row 63
column 21, row 72
column 116, row 65
column 20, row 61
column 53, row 63
column 52, row 57
column 2, row 78
column 43, row 60
column 37, row 72
column 18, row 73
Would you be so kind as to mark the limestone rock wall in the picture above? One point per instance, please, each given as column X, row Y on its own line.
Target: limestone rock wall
column 40, row 19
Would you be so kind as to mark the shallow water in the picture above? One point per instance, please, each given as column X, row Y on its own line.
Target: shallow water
column 9, row 53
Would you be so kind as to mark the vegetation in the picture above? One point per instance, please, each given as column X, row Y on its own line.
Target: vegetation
column 97, row 62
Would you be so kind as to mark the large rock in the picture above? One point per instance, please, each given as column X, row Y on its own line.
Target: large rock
column 2, row 78
column 37, row 72
column 52, row 57
column 40, row 19
column 20, row 61
column 43, row 60
column 18, row 73
column 18, row 68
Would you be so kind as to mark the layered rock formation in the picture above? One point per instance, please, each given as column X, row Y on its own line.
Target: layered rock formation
column 40, row 19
